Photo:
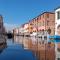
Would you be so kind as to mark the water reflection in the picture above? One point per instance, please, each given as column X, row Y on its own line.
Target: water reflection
column 3, row 43
column 39, row 47
column 18, row 40
column 14, row 50
column 27, row 48
column 2, row 47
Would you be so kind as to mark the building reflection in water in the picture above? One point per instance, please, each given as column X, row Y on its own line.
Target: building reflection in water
column 18, row 40
column 3, row 42
column 2, row 47
column 39, row 47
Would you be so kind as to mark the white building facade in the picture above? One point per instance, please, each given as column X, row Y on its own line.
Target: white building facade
column 26, row 27
column 57, row 32
column 57, row 20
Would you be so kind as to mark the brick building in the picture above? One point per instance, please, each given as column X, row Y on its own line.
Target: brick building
column 46, row 21
column 43, row 22
column 1, row 24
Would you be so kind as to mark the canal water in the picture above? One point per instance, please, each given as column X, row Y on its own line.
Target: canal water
column 13, row 49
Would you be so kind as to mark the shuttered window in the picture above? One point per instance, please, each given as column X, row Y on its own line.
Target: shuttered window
column 58, row 15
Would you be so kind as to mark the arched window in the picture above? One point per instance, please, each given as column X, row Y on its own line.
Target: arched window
column 58, row 15
column 49, row 31
column 58, row 26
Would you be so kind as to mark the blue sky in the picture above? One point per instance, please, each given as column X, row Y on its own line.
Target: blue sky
column 17, row 12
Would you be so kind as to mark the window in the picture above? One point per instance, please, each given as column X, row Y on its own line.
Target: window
column 40, row 17
column 47, row 15
column 43, row 16
column 37, row 18
column 49, row 31
column 58, row 15
column 47, row 22
column 58, row 27
column 43, row 23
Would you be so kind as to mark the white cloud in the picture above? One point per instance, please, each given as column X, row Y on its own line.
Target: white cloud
column 9, row 27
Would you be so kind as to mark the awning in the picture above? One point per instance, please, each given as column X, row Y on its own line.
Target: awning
column 55, row 39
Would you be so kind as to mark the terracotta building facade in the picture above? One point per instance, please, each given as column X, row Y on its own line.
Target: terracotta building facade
column 43, row 22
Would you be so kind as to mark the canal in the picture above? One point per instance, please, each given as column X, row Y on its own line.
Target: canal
column 14, row 49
